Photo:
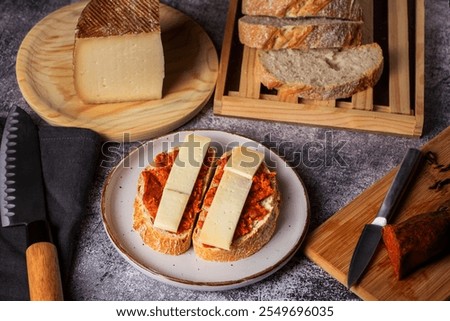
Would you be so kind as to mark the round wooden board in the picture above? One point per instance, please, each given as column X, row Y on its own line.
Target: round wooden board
column 45, row 75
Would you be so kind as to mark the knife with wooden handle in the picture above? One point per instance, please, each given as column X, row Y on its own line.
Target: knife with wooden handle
column 22, row 197
column 371, row 234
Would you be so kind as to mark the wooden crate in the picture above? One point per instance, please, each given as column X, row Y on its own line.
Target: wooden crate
column 394, row 106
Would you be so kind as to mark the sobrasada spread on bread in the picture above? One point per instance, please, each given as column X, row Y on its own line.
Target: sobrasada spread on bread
column 171, row 190
column 258, row 217
column 230, row 197
column 253, row 210
column 156, row 178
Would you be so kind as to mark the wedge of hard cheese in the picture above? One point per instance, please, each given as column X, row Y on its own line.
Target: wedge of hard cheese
column 118, row 54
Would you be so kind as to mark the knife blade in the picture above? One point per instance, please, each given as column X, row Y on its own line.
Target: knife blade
column 22, row 197
column 371, row 233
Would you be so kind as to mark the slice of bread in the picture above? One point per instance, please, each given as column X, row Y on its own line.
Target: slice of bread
column 253, row 231
column 148, row 197
column 271, row 33
column 342, row 9
column 321, row 74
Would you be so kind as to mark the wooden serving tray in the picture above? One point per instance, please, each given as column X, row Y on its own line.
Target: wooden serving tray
column 394, row 106
column 331, row 245
column 45, row 76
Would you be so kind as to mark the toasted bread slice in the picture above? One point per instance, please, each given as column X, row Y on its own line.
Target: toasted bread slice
column 150, row 187
column 258, row 220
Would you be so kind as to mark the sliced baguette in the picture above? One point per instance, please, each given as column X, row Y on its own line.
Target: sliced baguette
column 321, row 74
column 248, row 244
column 271, row 33
column 158, row 239
column 343, row 9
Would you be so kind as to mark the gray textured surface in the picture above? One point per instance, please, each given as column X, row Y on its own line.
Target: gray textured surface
column 100, row 273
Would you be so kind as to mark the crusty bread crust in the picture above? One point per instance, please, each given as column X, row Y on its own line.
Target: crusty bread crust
column 248, row 244
column 367, row 79
column 342, row 9
column 158, row 239
column 332, row 34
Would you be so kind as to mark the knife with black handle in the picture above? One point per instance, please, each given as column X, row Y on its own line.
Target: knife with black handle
column 371, row 234
column 22, row 197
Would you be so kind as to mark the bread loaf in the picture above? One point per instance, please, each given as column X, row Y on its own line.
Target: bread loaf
column 271, row 33
column 343, row 9
column 256, row 224
column 321, row 73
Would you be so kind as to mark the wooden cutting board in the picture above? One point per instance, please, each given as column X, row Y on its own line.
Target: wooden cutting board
column 331, row 245
column 45, row 76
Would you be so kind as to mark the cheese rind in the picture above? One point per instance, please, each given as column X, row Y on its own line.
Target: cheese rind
column 104, row 18
column 119, row 68
column 226, row 207
column 181, row 181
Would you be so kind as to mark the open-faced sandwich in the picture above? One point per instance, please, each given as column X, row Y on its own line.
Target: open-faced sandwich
column 229, row 213
column 170, row 194
column 240, row 209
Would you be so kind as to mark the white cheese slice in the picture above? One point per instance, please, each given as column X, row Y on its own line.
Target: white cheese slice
column 187, row 165
column 244, row 161
column 119, row 68
column 181, row 181
column 172, row 203
column 225, row 210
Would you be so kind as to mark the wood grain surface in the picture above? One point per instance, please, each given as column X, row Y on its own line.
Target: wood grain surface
column 45, row 76
column 399, row 96
column 331, row 245
column 394, row 106
column 364, row 100
column 44, row 278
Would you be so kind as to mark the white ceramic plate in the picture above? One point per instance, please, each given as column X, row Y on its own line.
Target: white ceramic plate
column 187, row 270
